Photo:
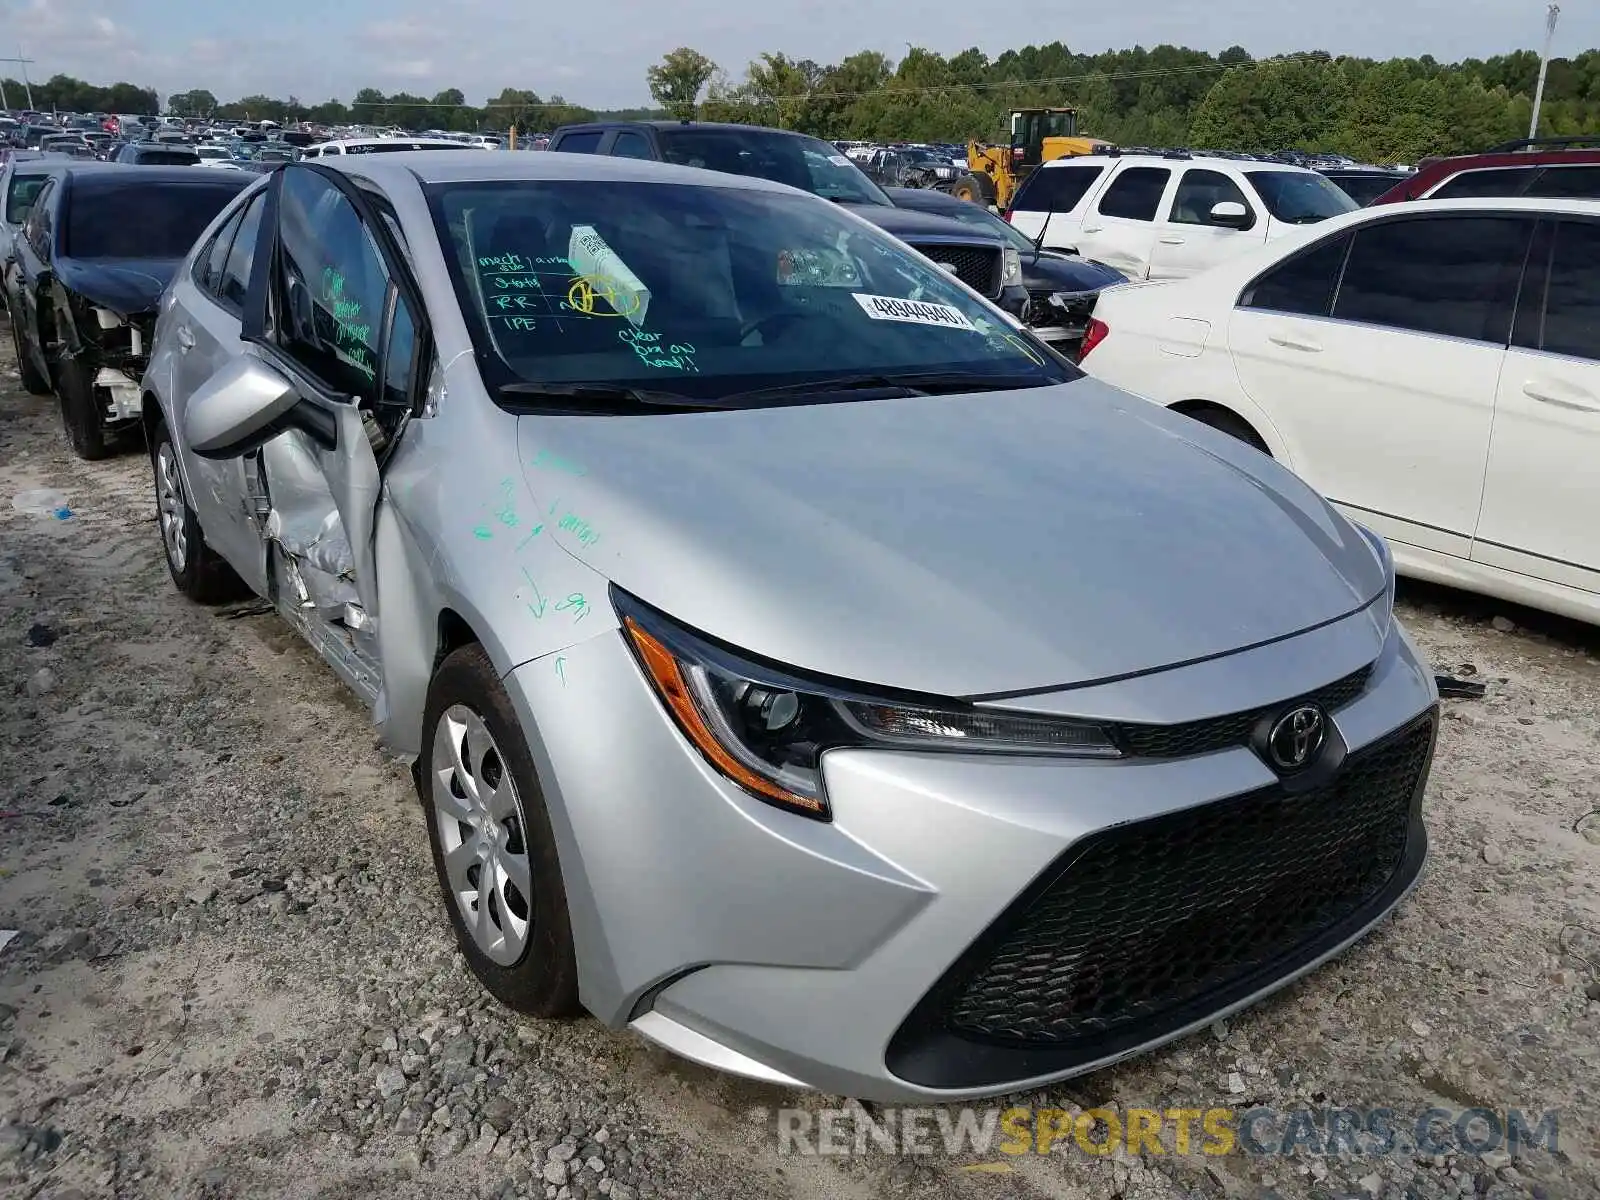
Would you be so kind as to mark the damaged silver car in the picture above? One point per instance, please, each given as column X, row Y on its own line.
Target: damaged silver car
column 802, row 665
column 98, row 247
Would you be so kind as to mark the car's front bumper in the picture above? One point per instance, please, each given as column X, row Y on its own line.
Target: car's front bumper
column 842, row 955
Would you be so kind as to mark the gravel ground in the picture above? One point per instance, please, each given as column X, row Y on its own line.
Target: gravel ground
column 234, row 977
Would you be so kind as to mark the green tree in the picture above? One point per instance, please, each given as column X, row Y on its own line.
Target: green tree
column 677, row 81
column 198, row 103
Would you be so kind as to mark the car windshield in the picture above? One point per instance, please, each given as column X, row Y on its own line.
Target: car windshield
column 109, row 216
column 394, row 147
column 1300, row 197
column 803, row 162
column 706, row 292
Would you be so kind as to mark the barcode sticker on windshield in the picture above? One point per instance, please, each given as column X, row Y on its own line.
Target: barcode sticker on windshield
column 916, row 312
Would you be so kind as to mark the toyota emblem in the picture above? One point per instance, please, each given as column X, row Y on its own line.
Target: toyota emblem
column 1297, row 737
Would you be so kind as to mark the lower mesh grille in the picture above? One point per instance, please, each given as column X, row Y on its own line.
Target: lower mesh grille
column 1150, row 919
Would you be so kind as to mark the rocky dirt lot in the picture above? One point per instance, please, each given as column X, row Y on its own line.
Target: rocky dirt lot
column 234, row 977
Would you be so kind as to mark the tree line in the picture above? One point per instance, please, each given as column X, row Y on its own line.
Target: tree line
column 1395, row 110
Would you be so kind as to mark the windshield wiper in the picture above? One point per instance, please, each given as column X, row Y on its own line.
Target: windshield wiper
column 916, row 383
column 599, row 397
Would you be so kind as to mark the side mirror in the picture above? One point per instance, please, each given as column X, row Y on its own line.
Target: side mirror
column 1231, row 214
column 237, row 409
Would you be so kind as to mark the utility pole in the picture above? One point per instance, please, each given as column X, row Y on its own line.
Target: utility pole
column 23, row 63
column 1544, row 66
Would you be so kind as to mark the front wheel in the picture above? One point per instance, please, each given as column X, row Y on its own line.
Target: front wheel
column 35, row 381
column 199, row 572
column 492, row 842
column 80, row 412
column 972, row 189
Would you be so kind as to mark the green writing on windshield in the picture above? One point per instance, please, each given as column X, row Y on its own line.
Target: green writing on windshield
column 352, row 337
column 678, row 356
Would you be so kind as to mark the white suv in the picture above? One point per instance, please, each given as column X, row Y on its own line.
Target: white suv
column 1169, row 215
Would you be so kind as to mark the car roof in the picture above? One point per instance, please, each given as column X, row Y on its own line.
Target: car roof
column 1446, row 168
column 1530, row 204
column 700, row 126
column 474, row 166
column 1212, row 161
column 135, row 172
column 379, row 141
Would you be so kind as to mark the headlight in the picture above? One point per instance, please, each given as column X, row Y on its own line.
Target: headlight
column 766, row 729
column 1010, row 266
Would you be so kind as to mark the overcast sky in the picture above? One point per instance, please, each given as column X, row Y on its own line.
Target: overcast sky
column 595, row 52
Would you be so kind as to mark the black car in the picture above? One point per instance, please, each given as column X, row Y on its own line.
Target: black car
column 1063, row 287
column 980, row 258
column 1364, row 184
column 97, row 249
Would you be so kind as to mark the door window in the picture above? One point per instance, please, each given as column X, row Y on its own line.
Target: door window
column 37, row 230
column 1453, row 275
column 1135, row 195
column 580, row 143
column 1501, row 181
column 332, row 285
column 235, row 276
column 1056, row 189
column 1571, row 323
column 1304, row 284
column 1199, row 192
column 208, row 266
column 631, row 145
column 1567, row 183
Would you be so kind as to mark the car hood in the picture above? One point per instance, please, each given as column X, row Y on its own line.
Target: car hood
column 959, row 545
column 1053, row 271
column 908, row 225
column 126, row 286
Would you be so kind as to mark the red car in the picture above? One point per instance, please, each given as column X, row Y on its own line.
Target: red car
column 1566, row 168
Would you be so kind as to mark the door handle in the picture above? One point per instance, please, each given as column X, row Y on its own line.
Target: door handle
column 1575, row 400
column 1290, row 342
column 1172, row 241
column 1091, row 229
column 185, row 339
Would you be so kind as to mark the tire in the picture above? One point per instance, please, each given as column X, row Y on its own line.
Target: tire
column 199, row 572
column 80, row 413
column 971, row 189
column 33, row 381
column 1231, row 424
column 532, row 970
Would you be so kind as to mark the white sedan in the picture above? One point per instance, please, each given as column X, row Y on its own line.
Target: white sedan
column 1433, row 369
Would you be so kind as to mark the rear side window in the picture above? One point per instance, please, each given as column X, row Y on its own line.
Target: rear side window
column 631, row 145
column 1303, row 285
column 1056, row 189
column 208, row 270
column 1572, row 295
column 1500, row 181
column 1135, row 195
column 236, row 273
column 20, row 196
column 1567, row 183
column 1452, row 275
column 579, row 143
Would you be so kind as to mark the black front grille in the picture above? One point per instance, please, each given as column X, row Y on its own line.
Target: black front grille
column 1219, row 733
column 1148, row 923
column 976, row 266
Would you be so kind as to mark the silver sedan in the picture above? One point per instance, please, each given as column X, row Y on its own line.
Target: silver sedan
column 803, row 665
